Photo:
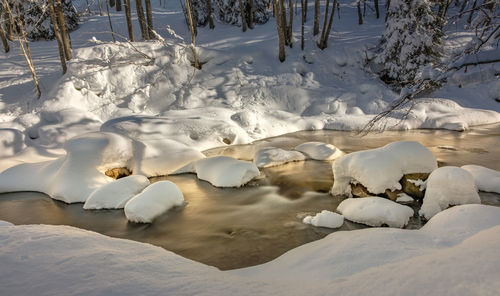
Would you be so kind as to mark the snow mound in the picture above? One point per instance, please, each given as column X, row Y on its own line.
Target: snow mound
column 319, row 151
column 325, row 219
column 448, row 186
column 5, row 223
column 375, row 211
column 382, row 168
column 486, row 179
column 271, row 156
column 73, row 177
column 115, row 195
column 156, row 199
column 225, row 171
column 404, row 198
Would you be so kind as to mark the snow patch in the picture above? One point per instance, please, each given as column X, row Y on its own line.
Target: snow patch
column 271, row 156
column 225, row 171
column 319, row 150
column 325, row 219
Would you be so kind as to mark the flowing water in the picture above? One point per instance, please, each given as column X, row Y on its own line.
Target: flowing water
column 237, row 227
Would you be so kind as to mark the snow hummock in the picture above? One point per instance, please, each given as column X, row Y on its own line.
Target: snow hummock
column 447, row 186
column 84, row 262
column 225, row 171
column 5, row 223
column 375, row 211
column 404, row 198
column 381, row 168
column 156, row 199
column 319, row 151
column 115, row 195
column 325, row 219
column 271, row 156
column 486, row 179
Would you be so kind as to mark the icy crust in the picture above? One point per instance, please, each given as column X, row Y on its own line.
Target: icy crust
column 271, row 156
column 448, row 186
column 225, row 171
column 73, row 177
column 319, row 151
column 336, row 263
column 486, row 179
column 114, row 195
column 375, row 211
column 325, row 219
column 382, row 168
column 155, row 200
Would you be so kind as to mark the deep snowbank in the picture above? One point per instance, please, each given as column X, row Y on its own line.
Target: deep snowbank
column 56, row 260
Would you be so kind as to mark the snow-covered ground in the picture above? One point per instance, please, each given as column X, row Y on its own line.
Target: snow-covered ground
column 455, row 253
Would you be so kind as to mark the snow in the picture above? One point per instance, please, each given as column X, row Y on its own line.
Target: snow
column 404, row 198
column 225, row 171
column 375, row 211
column 381, row 168
column 319, row 151
column 486, row 179
column 271, row 156
column 114, row 195
column 447, row 186
column 56, row 260
column 325, row 219
column 5, row 223
column 155, row 200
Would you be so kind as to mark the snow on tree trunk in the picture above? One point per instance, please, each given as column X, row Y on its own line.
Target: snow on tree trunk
column 411, row 40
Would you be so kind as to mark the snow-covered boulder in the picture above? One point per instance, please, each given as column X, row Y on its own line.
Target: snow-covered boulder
column 155, row 200
column 271, row 156
column 319, row 151
column 375, row 211
column 486, row 179
column 115, row 195
column 225, row 171
column 382, row 168
column 325, row 219
column 73, row 177
column 448, row 186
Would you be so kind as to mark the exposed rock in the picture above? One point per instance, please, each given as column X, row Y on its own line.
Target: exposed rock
column 410, row 186
column 359, row 190
column 392, row 195
column 118, row 173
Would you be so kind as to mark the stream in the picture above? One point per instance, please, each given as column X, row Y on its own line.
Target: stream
column 238, row 227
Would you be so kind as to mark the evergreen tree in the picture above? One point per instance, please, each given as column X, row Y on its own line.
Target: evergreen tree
column 228, row 11
column 411, row 40
column 37, row 18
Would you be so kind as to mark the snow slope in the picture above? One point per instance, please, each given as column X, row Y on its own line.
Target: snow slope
column 61, row 260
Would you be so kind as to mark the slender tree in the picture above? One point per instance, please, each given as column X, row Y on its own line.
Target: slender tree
column 377, row 12
column 142, row 20
column 109, row 20
column 250, row 14
column 324, row 35
column 57, row 33
column 119, row 5
column 196, row 63
column 360, row 16
column 243, row 18
column 290, row 24
column 149, row 18
column 23, row 42
column 7, row 23
column 64, row 31
column 282, row 14
column 128, row 17
column 5, row 42
column 316, row 18
column 210, row 18
column 303, row 10
column 281, row 31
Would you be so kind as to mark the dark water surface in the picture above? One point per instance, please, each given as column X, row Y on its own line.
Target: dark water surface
column 237, row 227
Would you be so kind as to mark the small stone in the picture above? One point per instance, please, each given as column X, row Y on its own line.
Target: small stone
column 359, row 190
column 392, row 195
column 118, row 173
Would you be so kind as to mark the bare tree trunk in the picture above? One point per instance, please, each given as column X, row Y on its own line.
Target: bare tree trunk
column 281, row 32
column 141, row 19
column 250, row 14
column 324, row 40
column 302, row 4
column 23, row 43
column 360, row 16
column 210, row 18
column 290, row 24
column 469, row 19
column 8, row 24
column 149, row 18
column 64, row 31
column 306, row 7
column 110, row 24
column 377, row 12
column 323, row 31
column 99, row 6
column 111, row 3
column 243, row 18
column 119, row 5
column 57, row 33
column 316, row 18
column 196, row 63
column 4, row 40
column 282, row 14
column 128, row 17
column 387, row 6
